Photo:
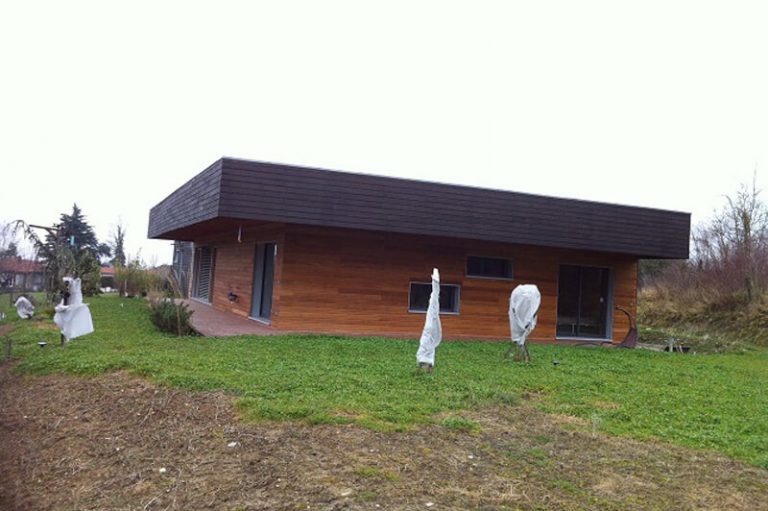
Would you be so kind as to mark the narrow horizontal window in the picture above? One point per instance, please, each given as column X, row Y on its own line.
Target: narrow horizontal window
column 489, row 267
column 418, row 300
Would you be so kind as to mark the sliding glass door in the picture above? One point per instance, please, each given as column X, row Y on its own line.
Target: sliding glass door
column 583, row 295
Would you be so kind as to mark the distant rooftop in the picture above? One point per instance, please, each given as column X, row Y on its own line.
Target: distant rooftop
column 19, row 265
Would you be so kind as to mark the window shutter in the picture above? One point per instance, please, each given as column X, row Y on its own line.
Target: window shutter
column 204, row 273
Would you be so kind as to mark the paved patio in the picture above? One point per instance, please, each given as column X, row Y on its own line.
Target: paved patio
column 210, row 322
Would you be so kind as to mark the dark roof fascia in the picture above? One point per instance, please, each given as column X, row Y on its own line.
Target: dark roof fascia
column 253, row 190
column 193, row 202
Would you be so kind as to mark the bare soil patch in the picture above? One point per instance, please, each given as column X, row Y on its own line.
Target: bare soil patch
column 102, row 444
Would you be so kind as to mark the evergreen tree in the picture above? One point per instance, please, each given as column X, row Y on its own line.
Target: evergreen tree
column 75, row 232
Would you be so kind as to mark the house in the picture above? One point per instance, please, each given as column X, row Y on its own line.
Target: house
column 304, row 249
column 20, row 274
column 108, row 277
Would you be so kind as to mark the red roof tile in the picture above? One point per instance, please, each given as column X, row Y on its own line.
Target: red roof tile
column 19, row 265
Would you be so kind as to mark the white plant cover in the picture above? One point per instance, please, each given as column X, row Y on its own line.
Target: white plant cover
column 73, row 319
column 433, row 331
column 524, row 304
column 24, row 308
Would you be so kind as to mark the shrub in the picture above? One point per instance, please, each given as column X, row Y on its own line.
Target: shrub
column 171, row 316
column 135, row 279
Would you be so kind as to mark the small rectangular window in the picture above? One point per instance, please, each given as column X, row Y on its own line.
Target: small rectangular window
column 489, row 267
column 418, row 300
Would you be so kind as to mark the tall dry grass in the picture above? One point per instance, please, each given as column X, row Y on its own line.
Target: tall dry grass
column 724, row 285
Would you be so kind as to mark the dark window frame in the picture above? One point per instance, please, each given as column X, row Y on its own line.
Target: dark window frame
column 455, row 312
column 489, row 277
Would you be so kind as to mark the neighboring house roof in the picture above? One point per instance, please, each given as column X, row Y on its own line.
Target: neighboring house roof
column 107, row 271
column 19, row 265
column 250, row 190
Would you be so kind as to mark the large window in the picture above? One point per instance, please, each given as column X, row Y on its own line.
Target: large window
column 489, row 267
column 583, row 293
column 419, row 297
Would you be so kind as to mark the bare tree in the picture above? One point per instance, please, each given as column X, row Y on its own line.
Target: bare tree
column 56, row 254
column 733, row 247
column 7, row 245
column 7, row 236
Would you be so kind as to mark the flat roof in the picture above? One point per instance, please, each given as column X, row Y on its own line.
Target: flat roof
column 253, row 190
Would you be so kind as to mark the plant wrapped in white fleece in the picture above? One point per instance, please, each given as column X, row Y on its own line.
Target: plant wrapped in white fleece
column 433, row 331
column 524, row 305
column 24, row 308
column 74, row 318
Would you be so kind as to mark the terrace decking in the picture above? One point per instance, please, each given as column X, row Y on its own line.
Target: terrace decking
column 210, row 322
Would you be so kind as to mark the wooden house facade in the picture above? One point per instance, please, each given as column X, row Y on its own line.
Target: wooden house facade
column 322, row 251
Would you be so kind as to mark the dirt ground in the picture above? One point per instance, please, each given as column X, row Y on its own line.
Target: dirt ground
column 117, row 442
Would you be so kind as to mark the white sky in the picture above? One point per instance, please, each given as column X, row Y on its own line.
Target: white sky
column 115, row 105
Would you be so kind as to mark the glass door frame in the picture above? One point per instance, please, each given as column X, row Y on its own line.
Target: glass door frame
column 608, row 306
column 258, row 281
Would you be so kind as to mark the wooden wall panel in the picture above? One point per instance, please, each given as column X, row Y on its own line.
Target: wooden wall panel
column 345, row 281
column 356, row 282
column 234, row 273
column 233, row 268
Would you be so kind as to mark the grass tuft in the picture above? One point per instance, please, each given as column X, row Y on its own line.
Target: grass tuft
column 460, row 424
column 367, row 496
column 376, row 472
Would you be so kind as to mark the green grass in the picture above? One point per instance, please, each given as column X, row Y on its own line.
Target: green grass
column 705, row 401
column 461, row 424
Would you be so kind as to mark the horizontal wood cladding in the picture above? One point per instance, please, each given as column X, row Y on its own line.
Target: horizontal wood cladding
column 194, row 202
column 357, row 282
column 233, row 272
column 288, row 194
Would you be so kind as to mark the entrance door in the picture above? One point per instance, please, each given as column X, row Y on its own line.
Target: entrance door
column 582, row 302
column 263, row 280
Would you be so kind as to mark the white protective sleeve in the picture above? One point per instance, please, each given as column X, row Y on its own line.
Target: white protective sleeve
column 433, row 331
column 74, row 319
column 24, row 308
column 75, row 291
column 524, row 305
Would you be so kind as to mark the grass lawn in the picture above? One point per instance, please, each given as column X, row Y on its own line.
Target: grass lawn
column 714, row 402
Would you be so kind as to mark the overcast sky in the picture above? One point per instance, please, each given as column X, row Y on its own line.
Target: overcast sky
column 115, row 105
